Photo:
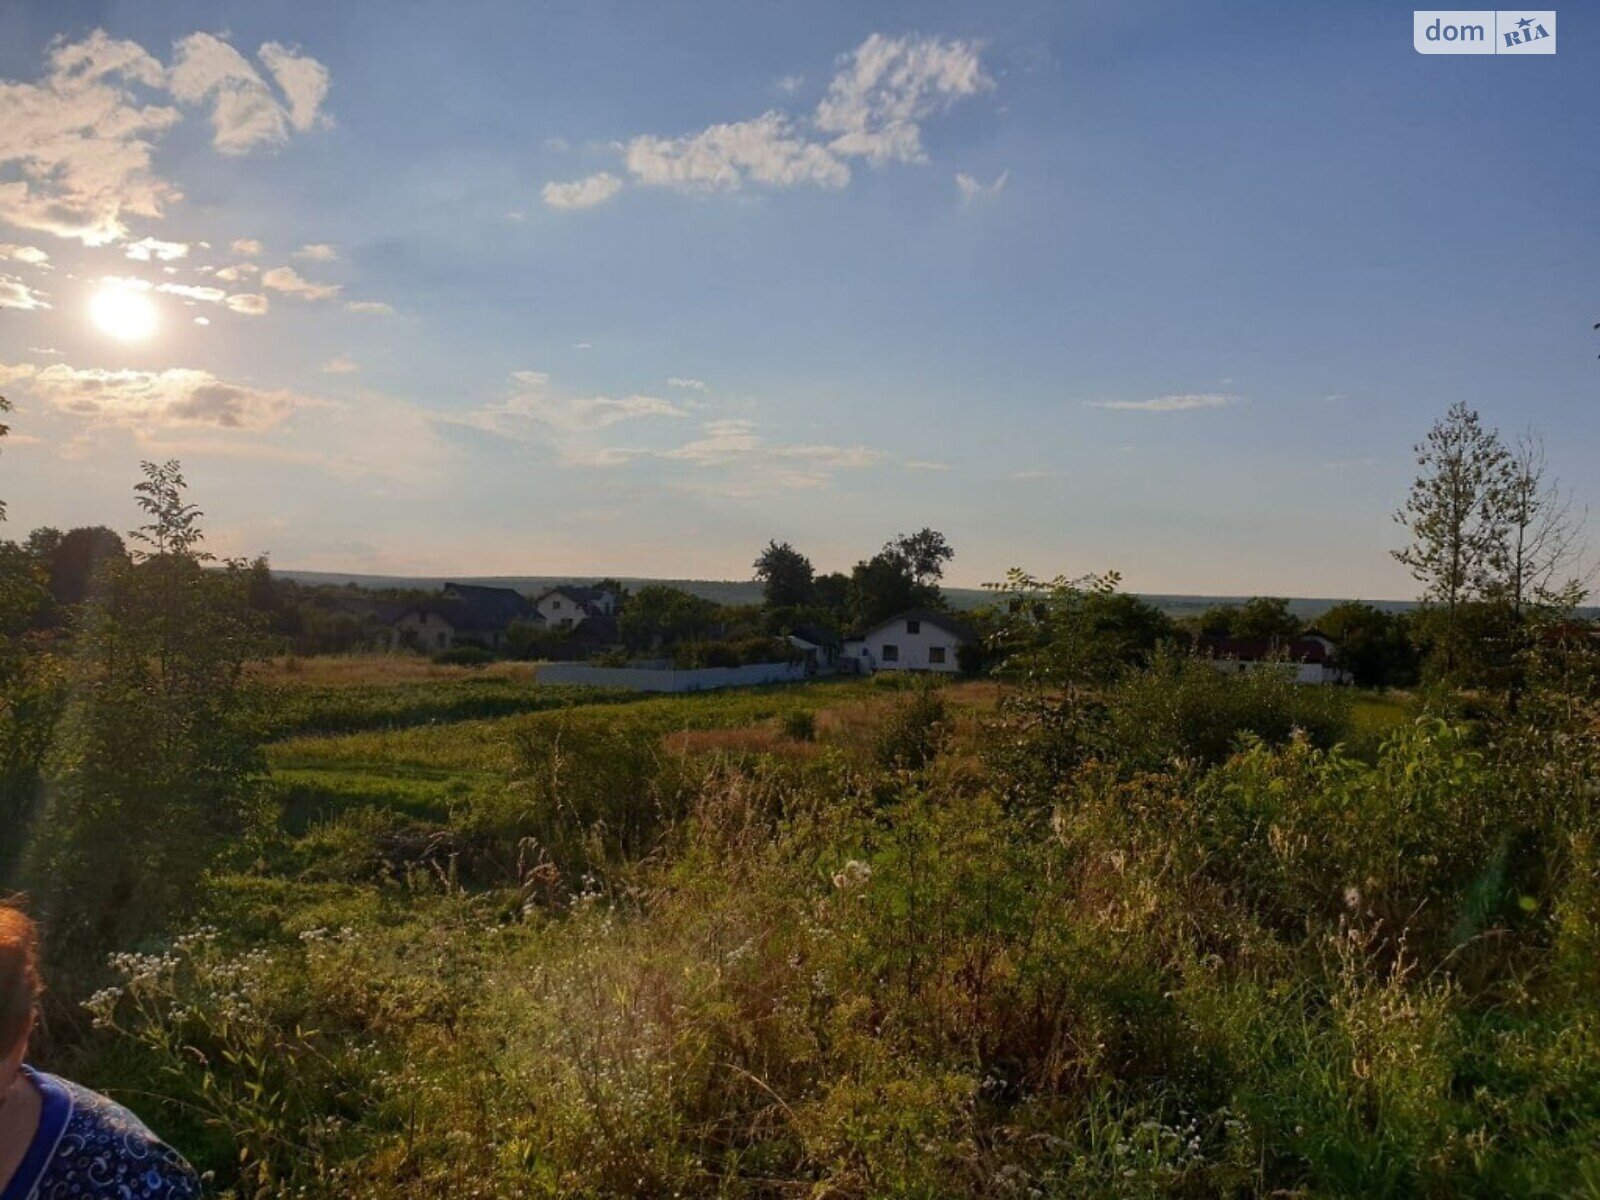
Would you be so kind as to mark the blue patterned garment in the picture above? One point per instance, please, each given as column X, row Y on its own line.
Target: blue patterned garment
column 88, row 1148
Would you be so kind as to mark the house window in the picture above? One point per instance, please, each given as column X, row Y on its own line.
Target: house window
column 913, row 626
column 441, row 638
column 555, row 604
column 936, row 656
column 891, row 652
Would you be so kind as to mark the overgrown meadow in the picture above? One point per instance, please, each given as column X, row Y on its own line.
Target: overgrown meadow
column 1178, row 935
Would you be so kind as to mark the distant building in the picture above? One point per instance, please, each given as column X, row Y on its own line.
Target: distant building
column 1311, row 657
column 924, row 639
column 463, row 615
column 819, row 647
column 569, row 606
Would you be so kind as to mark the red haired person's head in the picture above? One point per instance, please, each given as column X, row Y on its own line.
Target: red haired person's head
column 19, row 990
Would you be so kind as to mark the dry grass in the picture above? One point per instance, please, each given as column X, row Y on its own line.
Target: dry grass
column 379, row 670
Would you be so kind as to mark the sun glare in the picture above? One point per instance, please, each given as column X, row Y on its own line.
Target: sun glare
column 122, row 312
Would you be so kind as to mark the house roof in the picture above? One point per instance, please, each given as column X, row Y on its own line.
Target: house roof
column 1301, row 649
column 946, row 621
column 587, row 597
column 472, row 608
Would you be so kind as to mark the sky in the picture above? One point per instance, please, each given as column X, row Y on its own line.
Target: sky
column 603, row 288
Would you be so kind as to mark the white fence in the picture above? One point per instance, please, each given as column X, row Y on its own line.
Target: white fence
column 646, row 679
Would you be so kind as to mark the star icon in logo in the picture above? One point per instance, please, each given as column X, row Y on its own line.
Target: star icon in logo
column 1524, row 23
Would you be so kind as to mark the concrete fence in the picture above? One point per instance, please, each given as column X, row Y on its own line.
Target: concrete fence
column 646, row 679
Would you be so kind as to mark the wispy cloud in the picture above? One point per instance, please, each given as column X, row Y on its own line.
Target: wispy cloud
column 316, row 252
column 246, row 246
column 29, row 255
column 248, row 304
column 1185, row 402
column 77, row 147
column 582, row 193
column 289, row 281
column 972, row 190
column 341, row 366
column 692, row 385
column 874, row 109
column 176, row 396
column 154, row 250
column 376, row 308
column 14, row 293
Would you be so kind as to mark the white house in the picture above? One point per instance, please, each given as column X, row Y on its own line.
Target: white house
column 568, row 606
column 1309, row 658
column 923, row 639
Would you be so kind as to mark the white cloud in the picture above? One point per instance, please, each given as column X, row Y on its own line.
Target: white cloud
column 341, row 366
column 248, row 246
column 922, row 464
column 237, row 272
column 303, row 81
column 875, row 104
column 972, row 190
column 245, row 113
column 14, row 293
column 178, row 396
column 288, row 281
column 30, row 255
column 582, row 193
column 559, row 145
column 248, row 304
column 210, row 295
column 202, row 320
column 76, row 146
column 152, row 249
column 317, row 252
column 735, row 443
column 693, row 385
column 1185, row 402
column 873, row 109
column 767, row 150
column 375, row 308
column 533, row 401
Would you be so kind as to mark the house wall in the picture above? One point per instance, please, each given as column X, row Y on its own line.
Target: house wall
column 646, row 679
column 561, row 612
column 913, row 649
column 1301, row 672
column 432, row 632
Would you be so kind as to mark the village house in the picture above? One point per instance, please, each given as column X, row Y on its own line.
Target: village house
column 1310, row 658
column 569, row 606
column 924, row 639
column 463, row 615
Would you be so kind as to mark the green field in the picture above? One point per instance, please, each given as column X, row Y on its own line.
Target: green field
column 869, row 938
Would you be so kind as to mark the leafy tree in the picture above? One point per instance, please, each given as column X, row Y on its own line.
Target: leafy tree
column 158, row 767
column 925, row 553
column 1455, row 515
column 831, row 592
column 1374, row 646
column 883, row 586
column 786, row 575
column 658, row 616
column 75, row 556
column 1266, row 617
column 1543, row 537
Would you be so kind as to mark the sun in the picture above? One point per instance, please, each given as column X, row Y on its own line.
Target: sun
column 124, row 313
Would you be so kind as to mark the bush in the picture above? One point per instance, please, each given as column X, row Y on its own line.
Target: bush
column 464, row 656
column 913, row 733
column 1182, row 707
column 800, row 725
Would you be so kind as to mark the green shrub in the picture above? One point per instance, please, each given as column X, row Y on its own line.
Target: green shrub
column 1182, row 707
column 913, row 733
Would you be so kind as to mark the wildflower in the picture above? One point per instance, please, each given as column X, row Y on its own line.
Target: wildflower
column 854, row 874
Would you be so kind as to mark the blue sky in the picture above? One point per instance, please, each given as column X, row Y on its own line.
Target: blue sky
column 631, row 288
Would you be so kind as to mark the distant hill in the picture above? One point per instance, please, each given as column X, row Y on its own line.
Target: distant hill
column 745, row 591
